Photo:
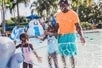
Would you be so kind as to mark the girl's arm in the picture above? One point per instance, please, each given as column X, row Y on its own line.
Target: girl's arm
column 18, row 46
column 42, row 38
column 39, row 58
column 33, row 50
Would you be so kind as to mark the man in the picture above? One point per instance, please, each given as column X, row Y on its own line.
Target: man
column 67, row 25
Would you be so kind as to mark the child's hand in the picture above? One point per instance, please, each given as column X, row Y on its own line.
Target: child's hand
column 39, row 59
column 48, row 33
column 40, row 38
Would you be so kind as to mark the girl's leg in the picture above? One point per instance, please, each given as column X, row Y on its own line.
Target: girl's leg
column 30, row 65
column 49, row 61
column 64, row 62
column 55, row 60
column 72, row 61
column 24, row 65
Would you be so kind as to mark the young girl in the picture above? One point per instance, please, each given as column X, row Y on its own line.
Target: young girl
column 26, row 48
column 51, row 36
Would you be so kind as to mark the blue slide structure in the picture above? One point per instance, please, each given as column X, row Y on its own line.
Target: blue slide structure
column 16, row 33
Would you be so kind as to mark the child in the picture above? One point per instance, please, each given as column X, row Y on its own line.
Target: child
column 26, row 48
column 51, row 36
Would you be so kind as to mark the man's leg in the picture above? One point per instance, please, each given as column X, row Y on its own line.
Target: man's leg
column 64, row 62
column 72, row 61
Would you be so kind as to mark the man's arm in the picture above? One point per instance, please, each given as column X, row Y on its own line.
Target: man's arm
column 79, row 30
column 56, row 27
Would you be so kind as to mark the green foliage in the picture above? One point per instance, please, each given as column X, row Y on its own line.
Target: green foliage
column 99, row 25
column 9, row 22
column 13, row 3
column 45, row 7
column 13, row 21
column 22, row 19
column 86, row 25
column 0, row 29
column 90, row 14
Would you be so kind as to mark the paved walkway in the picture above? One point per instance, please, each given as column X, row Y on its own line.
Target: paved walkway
column 92, row 30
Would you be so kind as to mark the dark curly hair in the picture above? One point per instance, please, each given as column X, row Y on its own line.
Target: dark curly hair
column 64, row 1
column 24, row 35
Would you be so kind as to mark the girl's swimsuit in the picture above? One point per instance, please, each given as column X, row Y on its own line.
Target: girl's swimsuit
column 52, row 44
column 27, row 54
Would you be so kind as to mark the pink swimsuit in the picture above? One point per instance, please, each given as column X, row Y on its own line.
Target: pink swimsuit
column 27, row 55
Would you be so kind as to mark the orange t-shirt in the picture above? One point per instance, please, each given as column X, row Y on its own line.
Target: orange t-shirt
column 67, row 21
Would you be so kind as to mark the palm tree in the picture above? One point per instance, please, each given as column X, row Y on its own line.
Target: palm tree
column 45, row 7
column 77, row 3
column 3, row 5
column 12, row 4
column 16, row 3
column 89, row 2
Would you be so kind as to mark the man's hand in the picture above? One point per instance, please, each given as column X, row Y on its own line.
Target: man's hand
column 82, row 39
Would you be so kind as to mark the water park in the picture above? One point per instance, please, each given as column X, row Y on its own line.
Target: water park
column 50, row 34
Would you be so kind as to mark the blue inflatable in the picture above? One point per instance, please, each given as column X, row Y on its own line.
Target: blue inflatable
column 35, row 28
column 8, row 58
column 16, row 33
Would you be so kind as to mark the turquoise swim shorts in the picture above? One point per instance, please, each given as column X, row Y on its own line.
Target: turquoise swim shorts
column 67, row 44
